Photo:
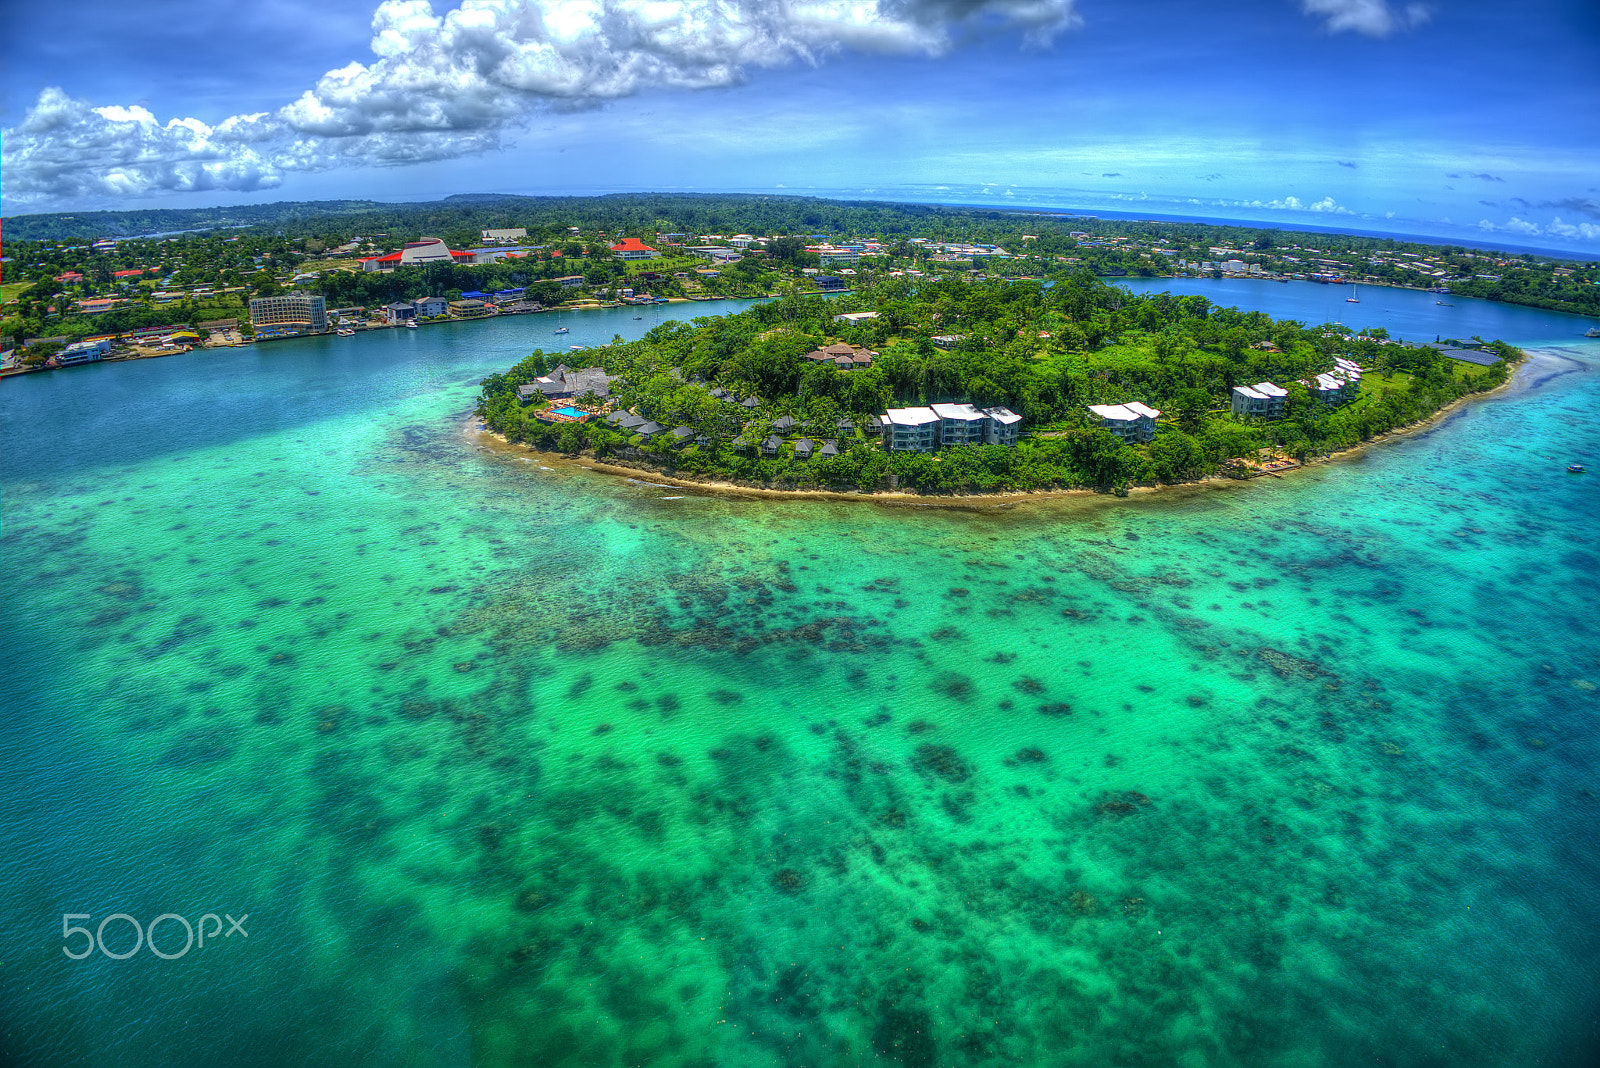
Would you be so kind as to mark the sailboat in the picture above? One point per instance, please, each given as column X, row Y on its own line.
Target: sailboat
column 1352, row 298
column 559, row 328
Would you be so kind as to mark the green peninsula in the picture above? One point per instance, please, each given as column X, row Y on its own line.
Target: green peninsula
column 762, row 397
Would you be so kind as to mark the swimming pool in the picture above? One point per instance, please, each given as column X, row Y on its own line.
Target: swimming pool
column 571, row 412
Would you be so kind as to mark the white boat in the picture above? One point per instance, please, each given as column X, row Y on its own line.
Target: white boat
column 562, row 330
column 411, row 324
column 1352, row 298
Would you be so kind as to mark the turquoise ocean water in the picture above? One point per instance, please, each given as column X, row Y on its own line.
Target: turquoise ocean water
column 513, row 765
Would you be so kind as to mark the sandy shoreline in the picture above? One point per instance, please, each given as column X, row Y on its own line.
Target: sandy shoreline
column 1529, row 368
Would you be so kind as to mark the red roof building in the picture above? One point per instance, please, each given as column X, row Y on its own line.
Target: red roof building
column 631, row 248
column 70, row 276
column 129, row 274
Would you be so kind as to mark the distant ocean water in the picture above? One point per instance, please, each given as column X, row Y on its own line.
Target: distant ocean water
column 512, row 766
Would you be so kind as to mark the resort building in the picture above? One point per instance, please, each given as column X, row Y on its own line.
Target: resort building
column 855, row 317
column 1132, row 422
column 631, row 248
column 1260, row 401
column 427, row 250
column 399, row 312
column 910, row 429
column 564, row 382
column 292, row 313
column 428, row 307
column 509, row 234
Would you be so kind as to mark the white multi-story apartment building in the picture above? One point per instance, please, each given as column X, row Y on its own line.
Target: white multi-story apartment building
column 940, row 425
column 1131, row 422
column 1261, row 401
column 960, row 424
column 1003, row 427
column 1338, row 386
column 911, row 430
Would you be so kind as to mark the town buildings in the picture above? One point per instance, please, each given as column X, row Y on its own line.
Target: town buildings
column 1132, row 422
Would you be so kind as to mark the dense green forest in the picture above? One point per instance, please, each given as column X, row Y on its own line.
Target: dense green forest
column 1045, row 351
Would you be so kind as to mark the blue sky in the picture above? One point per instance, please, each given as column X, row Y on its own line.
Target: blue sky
column 1454, row 118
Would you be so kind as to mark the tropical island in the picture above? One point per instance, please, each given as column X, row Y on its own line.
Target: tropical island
column 957, row 386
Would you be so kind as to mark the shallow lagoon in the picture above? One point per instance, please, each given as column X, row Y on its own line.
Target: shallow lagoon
column 513, row 765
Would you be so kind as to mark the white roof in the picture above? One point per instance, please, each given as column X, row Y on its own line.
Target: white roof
column 956, row 411
column 1262, row 390
column 1124, row 412
column 1003, row 416
column 910, row 416
column 1250, row 391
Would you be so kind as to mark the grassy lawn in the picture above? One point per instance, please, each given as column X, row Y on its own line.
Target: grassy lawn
column 10, row 291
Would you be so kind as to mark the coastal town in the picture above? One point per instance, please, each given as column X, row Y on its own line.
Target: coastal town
column 67, row 302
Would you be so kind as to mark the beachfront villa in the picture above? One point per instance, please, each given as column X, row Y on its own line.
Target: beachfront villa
column 1260, row 401
column 1132, row 422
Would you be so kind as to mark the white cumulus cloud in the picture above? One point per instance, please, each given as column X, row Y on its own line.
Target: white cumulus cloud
column 447, row 85
column 1375, row 18
column 1556, row 227
column 1291, row 203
